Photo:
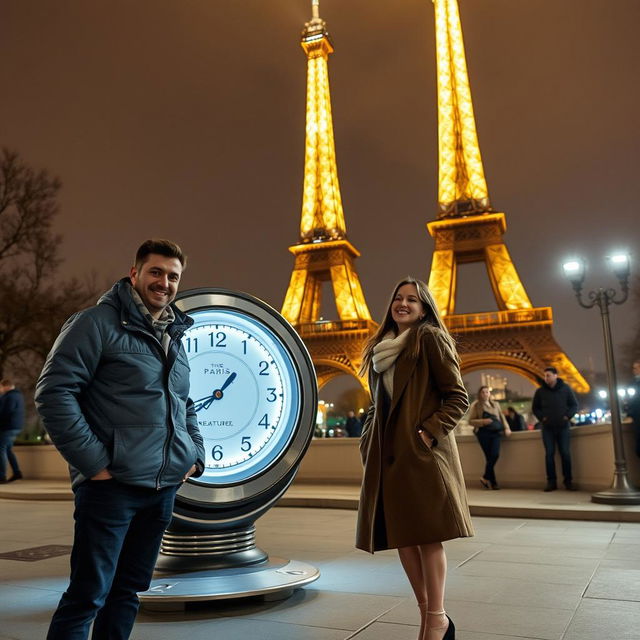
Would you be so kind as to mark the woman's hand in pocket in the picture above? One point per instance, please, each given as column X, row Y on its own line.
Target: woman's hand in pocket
column 426, row 438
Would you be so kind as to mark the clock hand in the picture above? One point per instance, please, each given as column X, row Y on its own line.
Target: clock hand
column 217, row 393
column 228, row 381
column 203, row 403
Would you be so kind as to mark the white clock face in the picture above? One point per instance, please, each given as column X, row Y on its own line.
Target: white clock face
column 246, row 393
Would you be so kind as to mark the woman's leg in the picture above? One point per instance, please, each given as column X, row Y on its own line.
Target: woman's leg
column 434, row 570
column 411, row 561
column 483, row 439
column 492, row 458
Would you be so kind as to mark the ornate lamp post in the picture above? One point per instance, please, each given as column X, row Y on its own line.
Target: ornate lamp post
column 621, row 491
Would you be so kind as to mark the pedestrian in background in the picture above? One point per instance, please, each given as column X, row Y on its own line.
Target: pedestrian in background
column 11, row 424
column 515, row 420
column 413, row 495
column 554, row 404
column 633, row 404
column 489, row 425
column 353, row 426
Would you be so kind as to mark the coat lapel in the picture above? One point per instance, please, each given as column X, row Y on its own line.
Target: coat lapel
column 404, row 368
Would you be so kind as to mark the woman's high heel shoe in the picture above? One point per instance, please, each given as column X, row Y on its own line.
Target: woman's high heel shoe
column 450, row 633
column 485, row 483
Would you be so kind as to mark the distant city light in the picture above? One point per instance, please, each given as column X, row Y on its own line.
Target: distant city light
column 619, row 258
column 572, row 266
column 602, row 393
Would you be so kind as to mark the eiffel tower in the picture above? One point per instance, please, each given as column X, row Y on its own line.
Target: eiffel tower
column 518, row 336
column 323, row 253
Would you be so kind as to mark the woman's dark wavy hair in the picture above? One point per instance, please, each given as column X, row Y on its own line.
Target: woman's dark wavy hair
column 431, row 322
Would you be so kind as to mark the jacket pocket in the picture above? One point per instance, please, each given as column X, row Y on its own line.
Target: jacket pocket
column 182, row 455
column 137, row 454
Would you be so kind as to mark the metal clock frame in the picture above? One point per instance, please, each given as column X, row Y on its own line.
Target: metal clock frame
column 196, row 493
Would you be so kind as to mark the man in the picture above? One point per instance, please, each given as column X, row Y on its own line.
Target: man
column 353, row 426
column 11, row 423
column 554, row 404
column 113, row 395
column 633, row 404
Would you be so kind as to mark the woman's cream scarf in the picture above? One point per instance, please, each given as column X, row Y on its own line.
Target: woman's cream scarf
column 385, row 354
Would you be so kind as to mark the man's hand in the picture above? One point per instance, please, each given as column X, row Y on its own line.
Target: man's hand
column 102, row 475
column 189, row 473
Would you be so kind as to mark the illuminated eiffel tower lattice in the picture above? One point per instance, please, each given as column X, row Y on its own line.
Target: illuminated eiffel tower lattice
column 323, row 253
column 518, row 336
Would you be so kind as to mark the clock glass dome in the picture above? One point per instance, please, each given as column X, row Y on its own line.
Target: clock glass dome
column 246, row 391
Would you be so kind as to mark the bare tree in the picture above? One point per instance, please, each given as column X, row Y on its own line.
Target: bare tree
column 33, row 301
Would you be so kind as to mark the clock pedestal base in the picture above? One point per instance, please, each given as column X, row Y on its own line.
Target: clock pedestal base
column 275, row 579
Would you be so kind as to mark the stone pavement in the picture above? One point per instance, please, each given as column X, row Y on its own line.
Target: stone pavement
column 518, row 578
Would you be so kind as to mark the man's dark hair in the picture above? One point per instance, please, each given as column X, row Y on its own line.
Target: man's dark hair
column 552, row 369
column 6, row 382
column 161, row 247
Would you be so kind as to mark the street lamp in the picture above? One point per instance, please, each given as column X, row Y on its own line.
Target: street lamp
column 621, row 491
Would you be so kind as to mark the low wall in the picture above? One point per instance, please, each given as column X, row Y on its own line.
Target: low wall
column 521, row 463
column 337, row 460
column 41, row 462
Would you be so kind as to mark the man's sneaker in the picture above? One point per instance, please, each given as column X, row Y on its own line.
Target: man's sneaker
column 551, row 486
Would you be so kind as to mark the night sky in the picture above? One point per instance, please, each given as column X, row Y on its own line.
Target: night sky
column 185, row 119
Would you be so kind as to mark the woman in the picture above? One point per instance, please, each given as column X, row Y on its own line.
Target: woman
column 489, row 423
column 413, row 494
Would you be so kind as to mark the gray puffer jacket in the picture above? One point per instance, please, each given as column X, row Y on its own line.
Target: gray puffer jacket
column 111, row 398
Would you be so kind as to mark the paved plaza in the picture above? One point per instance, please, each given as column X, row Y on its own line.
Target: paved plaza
column 518, row 578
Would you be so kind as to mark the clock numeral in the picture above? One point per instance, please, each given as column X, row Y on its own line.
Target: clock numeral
column 192, row 344
column 216, row 452
column 219, row 340
column 264, row 422
column 271, row 396
column 244, row 347
column 246, row 443
column 264, row 368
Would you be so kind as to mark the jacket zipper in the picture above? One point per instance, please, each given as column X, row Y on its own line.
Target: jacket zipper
column 170, row 429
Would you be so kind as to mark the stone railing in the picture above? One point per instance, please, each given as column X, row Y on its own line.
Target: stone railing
column 521, row 463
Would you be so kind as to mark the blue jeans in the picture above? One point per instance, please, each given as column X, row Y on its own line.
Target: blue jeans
column 490, row 443
column 7, row 455
column 552, row 436
column 118, row 530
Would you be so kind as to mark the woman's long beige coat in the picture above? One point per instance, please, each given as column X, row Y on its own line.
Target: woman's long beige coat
column 412, row 494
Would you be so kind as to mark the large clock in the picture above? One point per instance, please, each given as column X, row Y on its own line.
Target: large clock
column 254, row 391
column 247, row 392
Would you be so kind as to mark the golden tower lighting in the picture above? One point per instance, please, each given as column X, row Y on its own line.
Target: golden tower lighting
column 517, row 336
column 323, row 252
